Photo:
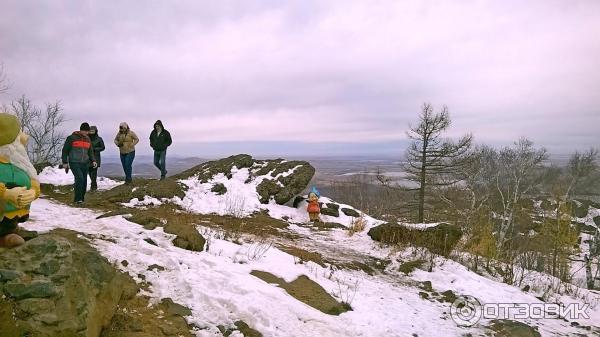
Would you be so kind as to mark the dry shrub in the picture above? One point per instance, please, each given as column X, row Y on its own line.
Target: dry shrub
column 358, row 225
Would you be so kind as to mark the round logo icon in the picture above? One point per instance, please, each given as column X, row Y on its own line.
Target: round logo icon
column 466, row 311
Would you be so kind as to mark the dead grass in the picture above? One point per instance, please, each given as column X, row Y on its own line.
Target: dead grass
column 303, row 255
column 357, row 225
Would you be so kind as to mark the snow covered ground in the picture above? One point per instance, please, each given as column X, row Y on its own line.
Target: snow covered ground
column 242, row 199
column 218, row 287
column 58, row 177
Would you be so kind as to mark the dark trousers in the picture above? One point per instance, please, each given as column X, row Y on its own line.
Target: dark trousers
column 127, row 162
column 8, row 226
column 80, row 172
column 94, row 178
column 160, row 161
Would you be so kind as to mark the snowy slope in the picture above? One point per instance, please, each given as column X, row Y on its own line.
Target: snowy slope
column 219, row 289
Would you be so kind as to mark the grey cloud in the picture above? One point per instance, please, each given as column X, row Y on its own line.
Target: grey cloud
column 335, row 71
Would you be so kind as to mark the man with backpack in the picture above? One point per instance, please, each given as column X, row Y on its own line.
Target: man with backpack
column 78, row 155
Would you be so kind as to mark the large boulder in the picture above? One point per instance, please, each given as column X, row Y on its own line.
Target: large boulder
column 282, row 180
column 57, row 285
column 206, row 171
column 278, row 179
column 439, row 239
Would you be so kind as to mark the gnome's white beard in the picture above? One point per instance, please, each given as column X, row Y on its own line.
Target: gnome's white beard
column 17, row 154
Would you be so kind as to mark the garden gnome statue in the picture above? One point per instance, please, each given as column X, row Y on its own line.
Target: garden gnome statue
column 313, row 205
column 19, row 184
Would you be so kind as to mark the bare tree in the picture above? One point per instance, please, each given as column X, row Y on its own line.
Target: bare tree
column 431, row 159
column 44, row 129
column 518, row 172
column 470, row 198
column 580, row 169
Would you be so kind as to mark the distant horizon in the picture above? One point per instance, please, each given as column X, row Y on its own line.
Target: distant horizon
column 298, row 149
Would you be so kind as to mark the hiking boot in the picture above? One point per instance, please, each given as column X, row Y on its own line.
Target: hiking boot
column 163, row 177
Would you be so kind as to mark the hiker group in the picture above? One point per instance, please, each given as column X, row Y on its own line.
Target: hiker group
column 82, row 150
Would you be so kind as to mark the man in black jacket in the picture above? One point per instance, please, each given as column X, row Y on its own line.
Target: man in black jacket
column 78, row 155
column 98, row 146
column 160, row 139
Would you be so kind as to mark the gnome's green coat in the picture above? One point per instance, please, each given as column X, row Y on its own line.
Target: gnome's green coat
column 12, row 176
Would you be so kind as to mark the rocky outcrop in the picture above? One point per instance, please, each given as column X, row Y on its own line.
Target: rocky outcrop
column 307, row 291
column 284, row 179
column 440, row 239
column 331, row 209
column 278, row 179
column 57, row 285
column 509, row 328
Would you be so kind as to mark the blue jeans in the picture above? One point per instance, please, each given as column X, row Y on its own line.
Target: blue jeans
column 80, row 172
column 160, row 161
column 127, row 162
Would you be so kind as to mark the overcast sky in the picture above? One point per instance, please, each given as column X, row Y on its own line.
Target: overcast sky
column 311, row 77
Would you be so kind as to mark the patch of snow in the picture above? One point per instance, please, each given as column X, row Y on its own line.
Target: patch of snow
column 58, row 177
column 147, row 201
column 420, row 226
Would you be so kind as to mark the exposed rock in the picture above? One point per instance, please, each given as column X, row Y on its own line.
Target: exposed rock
column 350, row 212
column 449, row 296
column 187, row 236
column 439, row 239
column 427, row 286
column 141, row 188
column 58, row 286
column 149, row 222
column 281, row 180
column 331, row 209
column 174, row 309
column 219, row 189
column 7, row 275
column 156, row 267
column 509, row 328
column 150, row 241
column 297, row 200
column 206, row 171
column 37, row 289
column 281, row 186
column 410, row 266
column 242, row 327
column 306, row 291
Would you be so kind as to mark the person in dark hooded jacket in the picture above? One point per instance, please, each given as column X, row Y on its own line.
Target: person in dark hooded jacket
column 160, row 140
column 78, row 155
column 98, row 146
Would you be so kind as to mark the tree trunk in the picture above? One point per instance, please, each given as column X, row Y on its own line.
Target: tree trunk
column 422, row 180
column 588, row 273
